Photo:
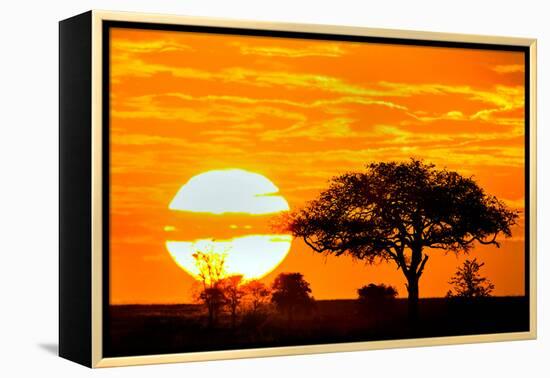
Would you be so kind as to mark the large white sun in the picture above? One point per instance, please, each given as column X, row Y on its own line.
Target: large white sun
column 229, row 191
column 225, row 193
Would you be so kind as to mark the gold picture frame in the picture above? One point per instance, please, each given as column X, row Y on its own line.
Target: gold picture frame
column 82, row 44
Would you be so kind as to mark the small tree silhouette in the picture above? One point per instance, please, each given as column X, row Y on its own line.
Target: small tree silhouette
column 211, row 267
column 468, row 283
column 291, row 293
column 256, row 295
column 396, row 211
column 233, row 293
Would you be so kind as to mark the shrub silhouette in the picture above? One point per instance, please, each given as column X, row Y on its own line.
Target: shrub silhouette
column 377, row 294
column 376, row 301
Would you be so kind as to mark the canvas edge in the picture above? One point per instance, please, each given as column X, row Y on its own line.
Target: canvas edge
column 74, row 274
column 97, row 195
column 309, row 349
column 533, row 187
column 98, row 16
column 310, row 28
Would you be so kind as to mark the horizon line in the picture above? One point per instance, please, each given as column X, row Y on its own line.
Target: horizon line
column 316, row 300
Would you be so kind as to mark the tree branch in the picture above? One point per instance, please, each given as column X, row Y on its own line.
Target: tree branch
column 401, row 261
column 312, row 246
column 392, row 254
column 422, row 264
column 492, row 241
column 481, row 241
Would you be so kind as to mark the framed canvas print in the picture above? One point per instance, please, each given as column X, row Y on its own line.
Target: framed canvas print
column 235, row 189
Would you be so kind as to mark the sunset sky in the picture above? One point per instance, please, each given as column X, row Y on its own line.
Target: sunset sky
column 299, row 112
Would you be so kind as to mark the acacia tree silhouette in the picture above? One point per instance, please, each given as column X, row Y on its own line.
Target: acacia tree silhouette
column 394, row 211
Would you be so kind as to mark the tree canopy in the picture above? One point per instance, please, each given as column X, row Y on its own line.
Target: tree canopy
column 291, row 292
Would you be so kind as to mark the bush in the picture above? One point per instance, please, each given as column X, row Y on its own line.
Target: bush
column 375, row 297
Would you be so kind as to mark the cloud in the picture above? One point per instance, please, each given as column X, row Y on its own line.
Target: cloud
column 152, row 107
column 248, row 126
column 125, row 65
column 232, row 140
column 451, row 115
column 509, row 68
column 486, row 115
column 183, row 114
column 314, row 50
column 504, row 97
column 154, row 155
column 142, row 47
column 145, row 139
column 143, row 102
column 517, row 203
column 330, row 113
column 501, row 97
column 460, row 156
column 455, row 114
column 317, row 131
column 267, row 121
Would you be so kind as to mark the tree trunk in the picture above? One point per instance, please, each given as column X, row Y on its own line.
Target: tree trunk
column 290, row 316
column 210, row 317
column 413, row 276
column 233, row 317
column 412, row 288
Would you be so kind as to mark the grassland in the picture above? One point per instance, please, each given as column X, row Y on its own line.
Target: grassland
column 155, row 329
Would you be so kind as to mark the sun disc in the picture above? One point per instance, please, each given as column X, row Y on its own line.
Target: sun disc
column 219, row 194
column 229, row 191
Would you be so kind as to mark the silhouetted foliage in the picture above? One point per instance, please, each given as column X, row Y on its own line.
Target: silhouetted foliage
column 214, row 300
column 468, row 283
column 376, row 301
column 394, row 211
column 291, row 293
column 211, row 267
column 256, row 295
column 373, row 293
column 233, row 294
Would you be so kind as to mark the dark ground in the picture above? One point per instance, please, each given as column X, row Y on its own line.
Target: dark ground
column 156, row 329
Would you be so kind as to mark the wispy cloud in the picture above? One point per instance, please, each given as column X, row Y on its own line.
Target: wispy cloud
column 141, row 101
column 509, row 68
column 316, row 131
column 127, row 139
column 313, row 50
column 149, row 107
column 126, row 65
column 121, row 46
column 504, row 97
column 381, row 93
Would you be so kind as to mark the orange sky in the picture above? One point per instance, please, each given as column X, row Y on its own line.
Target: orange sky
column 299, row 112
